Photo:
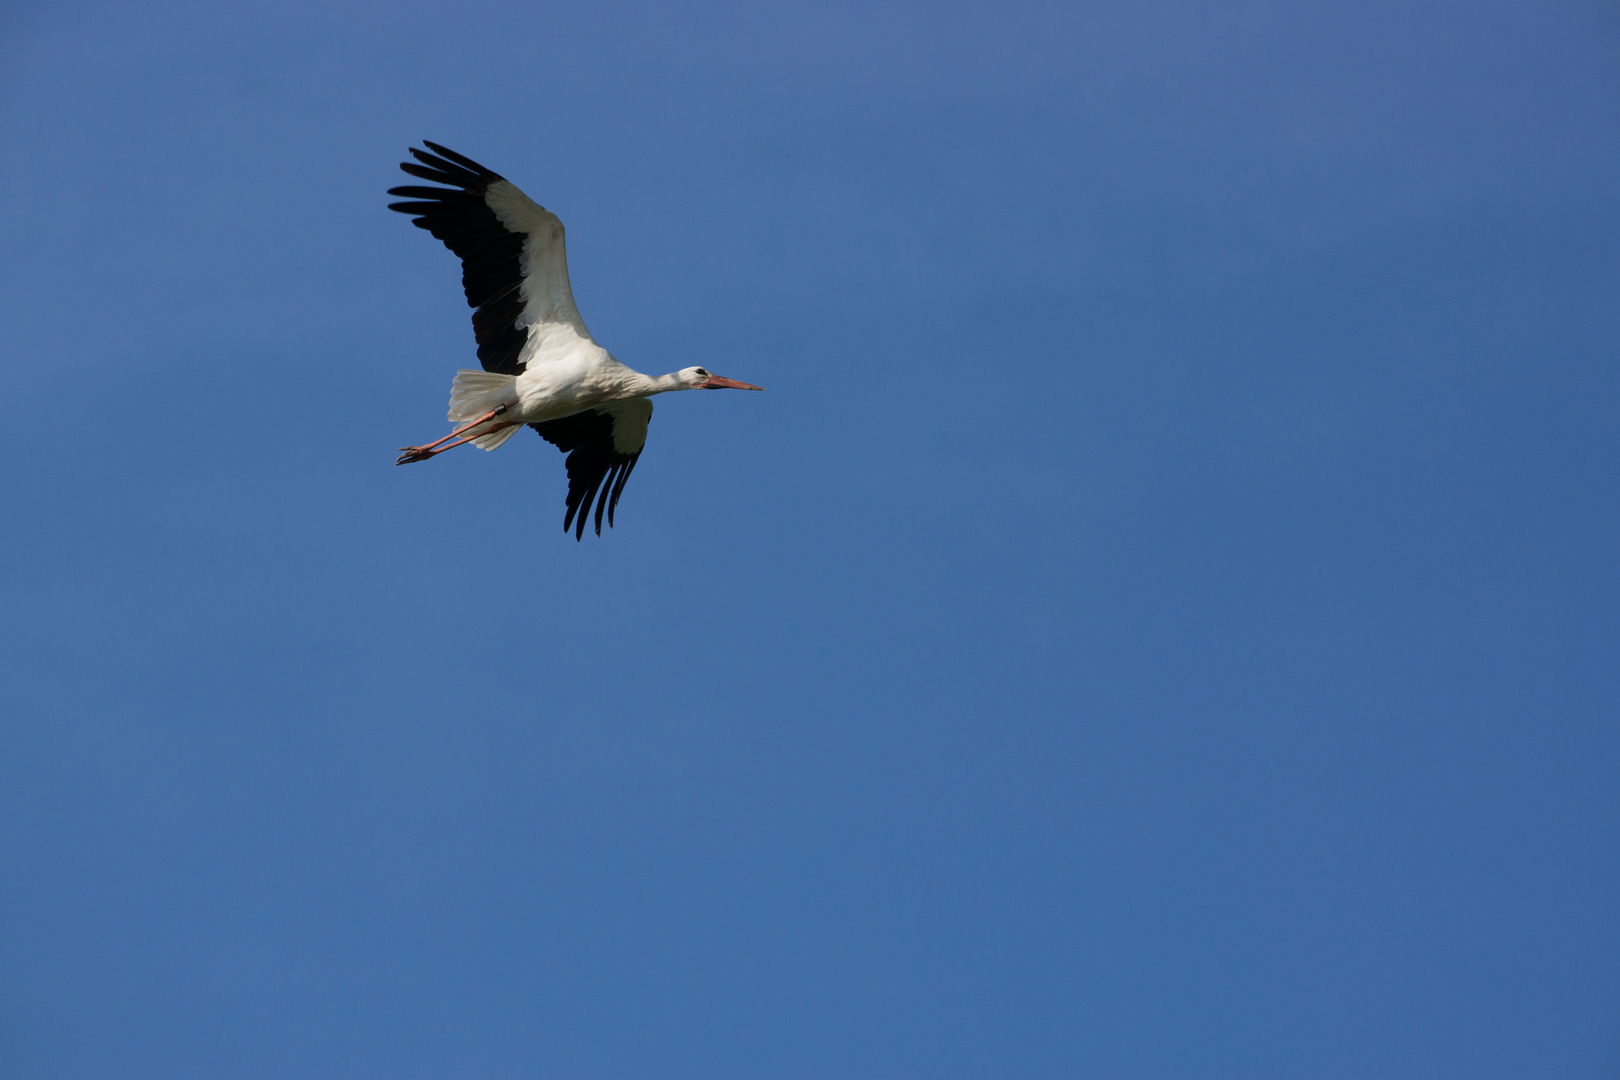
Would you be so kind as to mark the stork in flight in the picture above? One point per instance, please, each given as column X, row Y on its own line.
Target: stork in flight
column 541, row 366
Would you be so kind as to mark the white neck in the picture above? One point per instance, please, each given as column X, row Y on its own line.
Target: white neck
column 647, row 385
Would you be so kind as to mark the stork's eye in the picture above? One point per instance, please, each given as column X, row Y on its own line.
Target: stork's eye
column 705, row 374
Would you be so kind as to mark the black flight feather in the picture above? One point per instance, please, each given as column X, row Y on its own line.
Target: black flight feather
column 491, row 255
column 596, row 471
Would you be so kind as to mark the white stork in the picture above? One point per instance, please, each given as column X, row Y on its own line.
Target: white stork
column 541, row 366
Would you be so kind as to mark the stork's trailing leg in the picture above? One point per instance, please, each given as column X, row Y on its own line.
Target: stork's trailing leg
column 422, row 453
column 419, row 455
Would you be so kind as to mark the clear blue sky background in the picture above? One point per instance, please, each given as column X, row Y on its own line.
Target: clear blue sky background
column 1161, row 622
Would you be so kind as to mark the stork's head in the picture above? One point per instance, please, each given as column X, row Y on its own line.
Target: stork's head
column 695, row 378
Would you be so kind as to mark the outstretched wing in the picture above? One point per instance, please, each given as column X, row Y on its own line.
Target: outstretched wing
column 602, row 445
column 514, row 262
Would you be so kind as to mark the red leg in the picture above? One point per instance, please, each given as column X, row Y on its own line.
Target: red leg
column 422, row 453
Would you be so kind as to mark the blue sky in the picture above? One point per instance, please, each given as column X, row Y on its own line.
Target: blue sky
column 1161, row 621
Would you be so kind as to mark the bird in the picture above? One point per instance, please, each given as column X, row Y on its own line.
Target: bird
column 540, row 365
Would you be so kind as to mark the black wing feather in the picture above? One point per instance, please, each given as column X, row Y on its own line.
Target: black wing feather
column 491, row 255
column 594, row 466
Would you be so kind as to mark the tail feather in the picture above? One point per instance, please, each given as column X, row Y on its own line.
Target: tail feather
column 474, row 393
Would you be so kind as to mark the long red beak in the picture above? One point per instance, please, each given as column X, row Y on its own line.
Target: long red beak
column 717, row 383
